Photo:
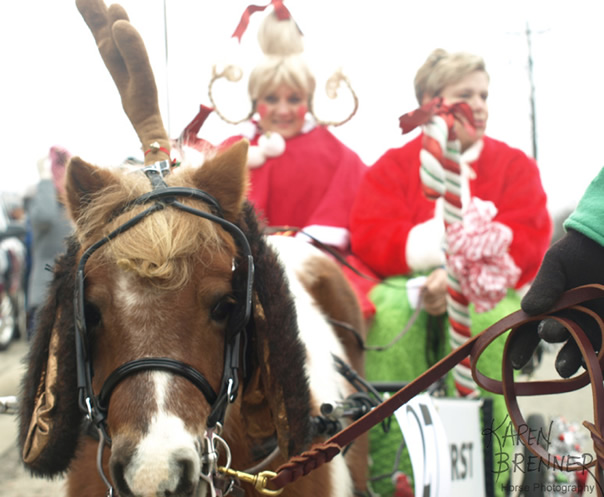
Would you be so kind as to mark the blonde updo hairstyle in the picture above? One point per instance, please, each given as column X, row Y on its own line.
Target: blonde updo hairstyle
column 442, row 69
column 281, row 41
column 283, row 63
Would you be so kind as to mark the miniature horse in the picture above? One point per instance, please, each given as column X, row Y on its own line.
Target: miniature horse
column 173, row 287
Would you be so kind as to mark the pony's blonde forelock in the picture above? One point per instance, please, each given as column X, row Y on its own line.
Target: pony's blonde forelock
column 163, row 247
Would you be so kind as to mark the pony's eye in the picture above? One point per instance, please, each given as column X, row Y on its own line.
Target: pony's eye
column 222, row 309
column 92, row 314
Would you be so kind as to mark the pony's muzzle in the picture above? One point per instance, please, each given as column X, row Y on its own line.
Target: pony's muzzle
column 163, row 472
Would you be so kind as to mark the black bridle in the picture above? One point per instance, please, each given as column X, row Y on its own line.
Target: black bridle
column 161, row 196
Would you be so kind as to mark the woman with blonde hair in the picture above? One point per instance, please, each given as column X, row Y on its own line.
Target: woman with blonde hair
column 301, row 175
column 399, row 231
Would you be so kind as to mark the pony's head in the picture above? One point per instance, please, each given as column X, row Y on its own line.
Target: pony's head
column 163, row 288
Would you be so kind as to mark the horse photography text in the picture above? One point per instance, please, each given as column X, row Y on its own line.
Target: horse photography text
column 527, row 461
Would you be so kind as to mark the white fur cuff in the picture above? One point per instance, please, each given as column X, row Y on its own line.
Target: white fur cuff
column 425, row 248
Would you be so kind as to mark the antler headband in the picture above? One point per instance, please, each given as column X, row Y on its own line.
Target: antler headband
column 123, row 52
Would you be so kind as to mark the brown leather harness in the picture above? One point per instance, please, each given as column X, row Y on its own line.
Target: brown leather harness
column 323, row 452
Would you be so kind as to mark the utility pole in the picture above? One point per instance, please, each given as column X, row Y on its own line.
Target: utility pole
column 167, row 69
column 532, row 89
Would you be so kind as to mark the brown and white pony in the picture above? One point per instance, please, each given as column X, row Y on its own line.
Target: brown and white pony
column 178, row 343
column 170, row 287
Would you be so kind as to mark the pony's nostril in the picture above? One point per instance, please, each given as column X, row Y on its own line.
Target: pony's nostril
column 187, row 481
column 121, row 456
column 117, row 474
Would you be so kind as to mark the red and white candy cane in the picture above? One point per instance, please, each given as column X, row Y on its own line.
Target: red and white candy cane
column 440, row 172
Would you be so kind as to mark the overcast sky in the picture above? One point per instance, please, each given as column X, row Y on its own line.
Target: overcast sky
column 55, row 89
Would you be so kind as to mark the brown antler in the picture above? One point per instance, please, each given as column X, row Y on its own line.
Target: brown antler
column 124, row 53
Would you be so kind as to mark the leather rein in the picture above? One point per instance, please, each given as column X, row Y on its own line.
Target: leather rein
column 323, row 452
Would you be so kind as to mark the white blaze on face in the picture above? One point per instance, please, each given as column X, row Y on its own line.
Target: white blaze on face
column 156, row 464
column 321, row 342
column 140, row 307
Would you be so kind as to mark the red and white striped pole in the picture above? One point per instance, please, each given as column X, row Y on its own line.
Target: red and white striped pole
column 440, row 172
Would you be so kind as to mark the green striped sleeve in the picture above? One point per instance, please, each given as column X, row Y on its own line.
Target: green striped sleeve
column 588, row 217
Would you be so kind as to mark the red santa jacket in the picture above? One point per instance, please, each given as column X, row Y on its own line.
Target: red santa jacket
column 390, row 203
column 313, row 183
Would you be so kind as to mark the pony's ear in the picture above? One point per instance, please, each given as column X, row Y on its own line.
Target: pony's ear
column 225, row 177
column 82, row 181
column 49, row 416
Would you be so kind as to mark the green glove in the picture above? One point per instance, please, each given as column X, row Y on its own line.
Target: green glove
column 573, row 261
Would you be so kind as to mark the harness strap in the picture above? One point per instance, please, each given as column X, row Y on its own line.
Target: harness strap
column 323, row 452
column 155, row 363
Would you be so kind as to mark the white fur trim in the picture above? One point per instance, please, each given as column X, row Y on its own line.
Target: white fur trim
column 247, row 129
column 467, row 173
column 188, row 155
column 255, row 157
column 425, row 249
column 472, row 152
column 272, row 144
column 329, row 235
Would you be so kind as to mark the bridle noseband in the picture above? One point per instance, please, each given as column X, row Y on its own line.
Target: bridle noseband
column 161, row 197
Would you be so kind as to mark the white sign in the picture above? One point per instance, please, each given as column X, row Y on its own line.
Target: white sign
column 443, row 436
column 427, row 444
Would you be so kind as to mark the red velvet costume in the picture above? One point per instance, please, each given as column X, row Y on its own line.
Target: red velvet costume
column 313, row 183
column 390, row 203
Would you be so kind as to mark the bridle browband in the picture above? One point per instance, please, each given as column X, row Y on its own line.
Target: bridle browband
column 96, row 407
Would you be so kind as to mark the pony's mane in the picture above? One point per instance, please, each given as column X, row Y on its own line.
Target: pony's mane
column 162, row 248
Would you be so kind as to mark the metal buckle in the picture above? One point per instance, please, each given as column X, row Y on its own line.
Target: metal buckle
column 161, row 167
column 89, row 409
column 212, row 442
column 230, row 394
column 259, row 481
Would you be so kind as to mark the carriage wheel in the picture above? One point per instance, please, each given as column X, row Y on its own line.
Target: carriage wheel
column 20, row 315
column 7, row 321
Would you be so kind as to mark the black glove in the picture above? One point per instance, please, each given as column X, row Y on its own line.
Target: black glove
column 573, row 261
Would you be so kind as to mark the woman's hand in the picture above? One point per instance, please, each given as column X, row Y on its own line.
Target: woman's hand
column 435, row 292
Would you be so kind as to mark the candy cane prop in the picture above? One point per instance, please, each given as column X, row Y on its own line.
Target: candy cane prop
column 440, row 173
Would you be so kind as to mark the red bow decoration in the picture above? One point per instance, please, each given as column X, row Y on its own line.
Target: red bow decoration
column 436, row 107
column 280, row 10
column 189, row 138
column 189, row 134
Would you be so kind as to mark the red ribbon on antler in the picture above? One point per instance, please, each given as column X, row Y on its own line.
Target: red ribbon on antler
column 436, row 107
column 280, row 10
column 189, row 134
